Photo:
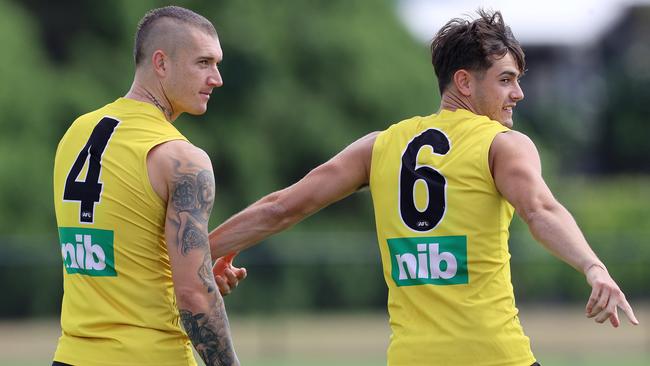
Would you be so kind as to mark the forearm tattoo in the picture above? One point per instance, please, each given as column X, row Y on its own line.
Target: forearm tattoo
column 210, row 334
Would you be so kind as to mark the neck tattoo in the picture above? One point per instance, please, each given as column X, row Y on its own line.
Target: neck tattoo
column 157, row 104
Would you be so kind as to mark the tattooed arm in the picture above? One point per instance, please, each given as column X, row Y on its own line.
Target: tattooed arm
column 182, row 175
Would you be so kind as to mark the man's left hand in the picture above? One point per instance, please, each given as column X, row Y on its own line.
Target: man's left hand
column 606, row 297
column 226, row 275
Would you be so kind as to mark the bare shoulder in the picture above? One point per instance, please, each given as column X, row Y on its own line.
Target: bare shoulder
column 364, row 143
column 511, row 144
column 370, row 138
column 167, row 152
column 170, row 160
column 358, row 154
column 511, row 140
column 363, row 146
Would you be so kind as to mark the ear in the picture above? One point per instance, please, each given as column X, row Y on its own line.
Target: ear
column 463, row 80
column 158, row 62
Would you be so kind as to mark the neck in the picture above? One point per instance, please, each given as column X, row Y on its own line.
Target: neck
column 152, row 95
column 166, row 111
column 452, row 100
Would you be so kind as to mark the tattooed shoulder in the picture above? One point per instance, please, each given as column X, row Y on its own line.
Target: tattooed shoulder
column 193, row 192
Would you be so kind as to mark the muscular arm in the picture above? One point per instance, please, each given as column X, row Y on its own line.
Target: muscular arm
column 182, row 174
column 339, row 177
column 516, row 168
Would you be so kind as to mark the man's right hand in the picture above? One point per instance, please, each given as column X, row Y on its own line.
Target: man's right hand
column 226, row 275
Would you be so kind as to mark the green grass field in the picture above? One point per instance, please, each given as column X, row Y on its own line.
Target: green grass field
column 561, row 336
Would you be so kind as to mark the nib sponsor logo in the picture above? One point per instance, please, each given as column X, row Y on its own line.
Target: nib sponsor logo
column 429, row 260
column 87, row 251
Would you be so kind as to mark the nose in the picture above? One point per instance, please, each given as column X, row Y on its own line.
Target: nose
column 517, row 94
column 215, row 80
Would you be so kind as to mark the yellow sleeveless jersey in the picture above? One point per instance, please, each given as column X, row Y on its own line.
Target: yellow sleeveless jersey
column 442, row 228
column 119, row 306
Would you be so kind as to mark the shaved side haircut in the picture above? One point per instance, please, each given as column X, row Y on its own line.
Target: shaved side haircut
column 157, row 23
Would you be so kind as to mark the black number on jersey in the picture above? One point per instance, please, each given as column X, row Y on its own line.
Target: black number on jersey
column 89, row 190
column 410, row 173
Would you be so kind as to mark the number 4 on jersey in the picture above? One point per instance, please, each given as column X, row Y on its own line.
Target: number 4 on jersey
column 88, row 191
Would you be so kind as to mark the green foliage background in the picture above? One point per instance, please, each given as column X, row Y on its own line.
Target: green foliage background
column 302, row 80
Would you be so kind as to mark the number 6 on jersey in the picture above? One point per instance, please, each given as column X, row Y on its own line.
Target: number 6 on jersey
column 410, row 173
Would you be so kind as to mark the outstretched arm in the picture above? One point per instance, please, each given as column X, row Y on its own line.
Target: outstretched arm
column 516, row 168
column 339, row 177
column 183, row 177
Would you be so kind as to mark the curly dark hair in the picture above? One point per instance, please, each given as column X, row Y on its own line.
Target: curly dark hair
column 473, row 45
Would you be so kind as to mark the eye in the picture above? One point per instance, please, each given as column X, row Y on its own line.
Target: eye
column 203, row 62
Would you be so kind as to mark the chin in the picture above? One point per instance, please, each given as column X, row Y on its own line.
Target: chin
column 198, row 111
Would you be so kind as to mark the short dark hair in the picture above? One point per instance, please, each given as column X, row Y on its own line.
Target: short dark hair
column 472, row 45
column 175, row 13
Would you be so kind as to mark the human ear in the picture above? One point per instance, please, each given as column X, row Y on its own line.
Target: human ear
column 158, row 60
column 462, row 80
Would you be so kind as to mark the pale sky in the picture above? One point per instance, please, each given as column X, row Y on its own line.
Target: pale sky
column 570, row 22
